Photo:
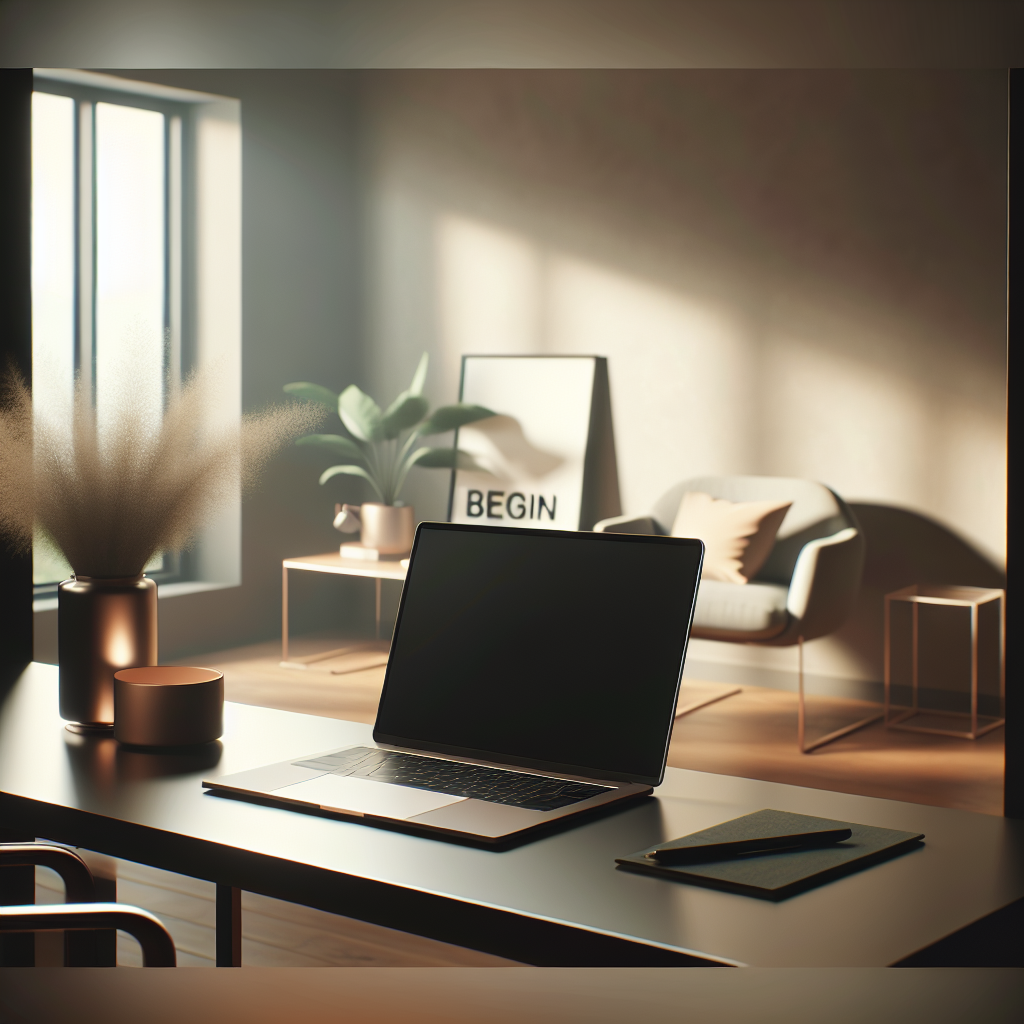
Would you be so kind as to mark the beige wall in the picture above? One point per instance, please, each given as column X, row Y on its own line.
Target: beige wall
column 319, row 34
column 792, row 273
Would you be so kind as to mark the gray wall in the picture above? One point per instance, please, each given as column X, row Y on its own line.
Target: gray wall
column 301, row 321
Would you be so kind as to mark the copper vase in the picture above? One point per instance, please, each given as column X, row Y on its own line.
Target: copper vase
column 103, row 625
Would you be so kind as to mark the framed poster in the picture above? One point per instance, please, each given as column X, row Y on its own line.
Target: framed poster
column 548, row 458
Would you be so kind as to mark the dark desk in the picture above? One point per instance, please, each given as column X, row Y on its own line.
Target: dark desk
column 556, row 901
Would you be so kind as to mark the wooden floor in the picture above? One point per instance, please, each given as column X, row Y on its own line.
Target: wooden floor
column 752, row 734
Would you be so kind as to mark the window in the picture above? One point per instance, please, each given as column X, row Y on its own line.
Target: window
column 135, row 258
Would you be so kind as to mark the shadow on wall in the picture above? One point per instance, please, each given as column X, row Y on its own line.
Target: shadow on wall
column 905, row 547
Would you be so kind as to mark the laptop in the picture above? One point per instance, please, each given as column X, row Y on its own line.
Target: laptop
column 533, row 675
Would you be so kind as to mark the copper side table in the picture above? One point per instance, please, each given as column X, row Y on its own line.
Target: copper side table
column 897, row 716
column 332, row 562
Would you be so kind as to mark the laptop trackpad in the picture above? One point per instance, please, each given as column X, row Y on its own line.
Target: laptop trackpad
column 360, row 796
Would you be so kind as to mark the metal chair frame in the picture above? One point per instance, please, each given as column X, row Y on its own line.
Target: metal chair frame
column 82, row 913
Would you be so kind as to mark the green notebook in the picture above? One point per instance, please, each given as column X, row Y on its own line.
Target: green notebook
column 775, row 876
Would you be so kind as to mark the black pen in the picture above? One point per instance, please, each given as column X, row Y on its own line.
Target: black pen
column 699, row 854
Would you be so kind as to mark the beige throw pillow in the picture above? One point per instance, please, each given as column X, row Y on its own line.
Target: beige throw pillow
column 738, row 535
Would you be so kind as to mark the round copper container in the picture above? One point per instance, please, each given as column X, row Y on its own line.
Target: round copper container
column 168, row 706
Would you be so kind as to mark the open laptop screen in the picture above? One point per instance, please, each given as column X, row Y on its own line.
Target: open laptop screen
column 541, row 648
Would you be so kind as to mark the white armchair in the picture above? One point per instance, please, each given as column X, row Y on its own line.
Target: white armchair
column 805, row 589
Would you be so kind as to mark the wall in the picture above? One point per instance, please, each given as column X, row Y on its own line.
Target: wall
column 301, row 321
column 510, row 33
column 793, row 273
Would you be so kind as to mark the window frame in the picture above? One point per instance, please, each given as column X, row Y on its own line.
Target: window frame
column 202, row 303
column 177, row 326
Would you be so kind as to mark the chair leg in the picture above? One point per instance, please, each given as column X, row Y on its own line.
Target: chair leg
column 17, row 886
column 693, row 696
column 801, row 714
column 801, row 711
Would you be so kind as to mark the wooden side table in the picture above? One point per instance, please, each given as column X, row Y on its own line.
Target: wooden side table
column 332, row 562
column 897, row 717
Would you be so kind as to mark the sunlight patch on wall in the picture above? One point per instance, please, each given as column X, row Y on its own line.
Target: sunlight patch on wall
column 489, row 291
column 681, row 375
column 832, row 418
column 697, row 389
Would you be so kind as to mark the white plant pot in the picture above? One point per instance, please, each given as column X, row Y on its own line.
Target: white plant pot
column 388, row 528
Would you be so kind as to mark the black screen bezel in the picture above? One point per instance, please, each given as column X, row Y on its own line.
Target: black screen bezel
column 526, row 762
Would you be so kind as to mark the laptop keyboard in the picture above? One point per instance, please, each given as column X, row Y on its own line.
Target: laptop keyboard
column 497, row 786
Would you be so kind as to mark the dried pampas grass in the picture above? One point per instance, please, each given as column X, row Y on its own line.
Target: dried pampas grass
column 109, row 497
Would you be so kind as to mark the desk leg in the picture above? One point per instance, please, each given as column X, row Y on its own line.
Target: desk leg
column 377, row 581
column 17, row 888
column 229, row 926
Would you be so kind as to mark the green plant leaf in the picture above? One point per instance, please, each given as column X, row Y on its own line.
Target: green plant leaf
column 442, row 458
column 313, row 393
column 360, row 414
column 334, row 471
column 419, row 377
column 404, row 412
column 448, row 417
column 335, row 444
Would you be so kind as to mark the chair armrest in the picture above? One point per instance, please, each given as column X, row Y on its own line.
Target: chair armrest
column 79, row 885
column 825, row 582
column 627, row 524
column 156, row 942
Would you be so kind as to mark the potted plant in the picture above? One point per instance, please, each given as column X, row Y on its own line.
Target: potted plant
column 382, row 447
